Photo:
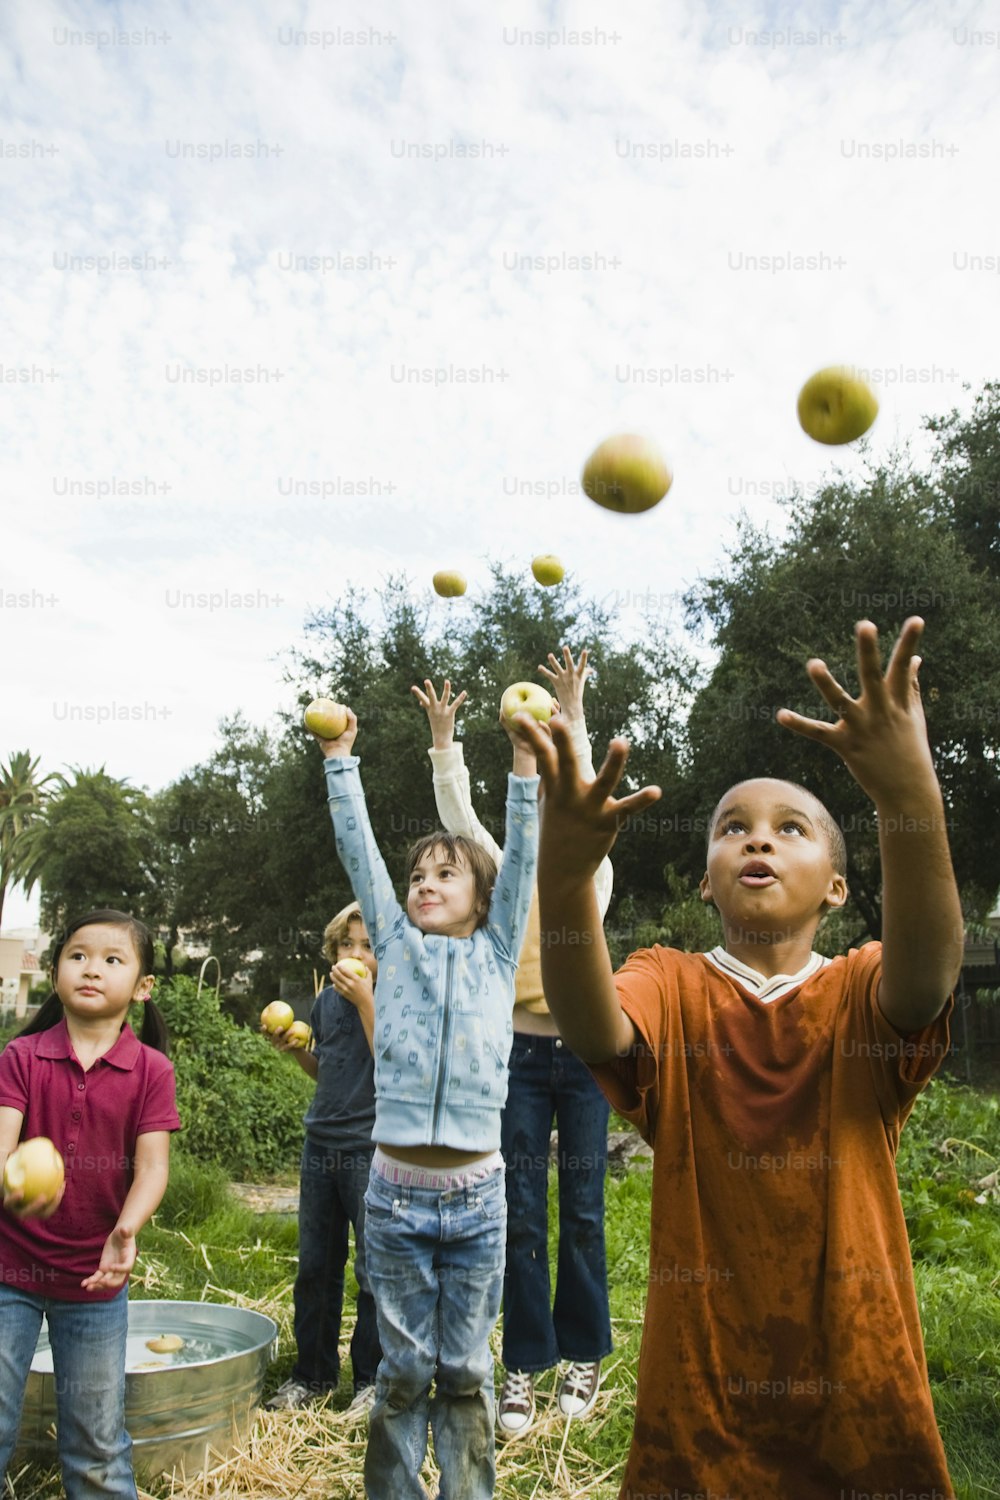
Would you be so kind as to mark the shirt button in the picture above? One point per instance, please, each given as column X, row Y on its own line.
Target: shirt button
column 558, row 1041
column 71, row 1147
column 76, row 1114
column 81, row 1087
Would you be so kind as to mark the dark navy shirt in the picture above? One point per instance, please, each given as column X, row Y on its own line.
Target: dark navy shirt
column 342, row 1113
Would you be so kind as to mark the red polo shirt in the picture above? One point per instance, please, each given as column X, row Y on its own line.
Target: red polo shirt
column 93, row 1118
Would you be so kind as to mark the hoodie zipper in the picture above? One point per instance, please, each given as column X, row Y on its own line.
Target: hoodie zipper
column 443, row 1056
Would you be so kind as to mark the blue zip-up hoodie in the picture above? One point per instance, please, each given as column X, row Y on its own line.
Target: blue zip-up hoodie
column 443, row 1005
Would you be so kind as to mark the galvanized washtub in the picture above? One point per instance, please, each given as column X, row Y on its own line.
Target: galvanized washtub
column 177, row 1405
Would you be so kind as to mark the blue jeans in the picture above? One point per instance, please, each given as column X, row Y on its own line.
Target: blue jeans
column 332, row 1196
column 88, row 1354
column 546, row 1082
column 436, row 1265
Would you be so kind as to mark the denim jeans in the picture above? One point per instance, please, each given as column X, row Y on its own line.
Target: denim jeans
column 88, row 1353
column 332, row 1196
column 546, row 1082
column 436, row 1265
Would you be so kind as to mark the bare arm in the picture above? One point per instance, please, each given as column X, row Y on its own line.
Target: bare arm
column 580, row 823
column 149, row 1183
column 882, row 738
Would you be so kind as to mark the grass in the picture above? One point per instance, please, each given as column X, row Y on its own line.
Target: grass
column 204, row 1244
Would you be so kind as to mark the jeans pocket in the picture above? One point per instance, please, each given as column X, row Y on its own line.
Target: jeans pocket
column 491, row 1199
column 380, row 1208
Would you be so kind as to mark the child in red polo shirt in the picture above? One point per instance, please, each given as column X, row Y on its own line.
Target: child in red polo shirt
column 79, row 1075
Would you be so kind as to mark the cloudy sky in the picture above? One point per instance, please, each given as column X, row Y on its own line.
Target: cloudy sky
column 295, row 295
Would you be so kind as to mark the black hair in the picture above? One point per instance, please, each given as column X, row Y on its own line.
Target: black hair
column 832, row 832
column 50, row 1013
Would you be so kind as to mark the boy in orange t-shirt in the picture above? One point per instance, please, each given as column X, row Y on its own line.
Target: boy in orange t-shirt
column 781, row 1357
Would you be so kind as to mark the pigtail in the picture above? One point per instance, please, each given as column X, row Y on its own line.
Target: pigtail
column 49, row 1014
column 154, row 1028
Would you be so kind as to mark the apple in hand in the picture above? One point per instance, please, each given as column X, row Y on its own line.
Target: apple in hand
column 548, row 570
column 835, row 406
column 626, row 473
column 449, row 584
column 277, row 1016
column 298, row 1035
column 35, row 1170
column 354, row 966
column 325, row 719
column 527, row 698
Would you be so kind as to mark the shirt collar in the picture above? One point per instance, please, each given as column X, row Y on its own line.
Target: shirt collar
column 123, row 1055
column 759, row 984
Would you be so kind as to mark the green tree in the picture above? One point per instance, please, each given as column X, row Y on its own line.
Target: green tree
column 23, row 796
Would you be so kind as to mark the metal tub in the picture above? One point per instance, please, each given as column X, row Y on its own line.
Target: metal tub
column 183, row 1404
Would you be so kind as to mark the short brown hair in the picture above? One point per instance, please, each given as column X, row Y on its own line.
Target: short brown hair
column 459, row 850
column 335, row 931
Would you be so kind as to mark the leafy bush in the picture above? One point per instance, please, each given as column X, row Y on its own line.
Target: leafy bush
column 240, row 1102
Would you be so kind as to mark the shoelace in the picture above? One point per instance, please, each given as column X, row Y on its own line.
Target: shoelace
column 578, row 1380
column 517, row 1389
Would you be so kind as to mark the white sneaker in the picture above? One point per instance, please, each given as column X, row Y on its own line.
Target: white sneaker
column 291, row 1396
column 579, row 1389
column 362, row 1404
column 516, row 1411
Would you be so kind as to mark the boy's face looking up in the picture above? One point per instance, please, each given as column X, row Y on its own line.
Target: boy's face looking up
column 442, row 896
column 355, row 944
column 771, row 870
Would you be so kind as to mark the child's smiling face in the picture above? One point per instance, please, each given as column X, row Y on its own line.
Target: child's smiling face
column 770, row 865
column 442, row 896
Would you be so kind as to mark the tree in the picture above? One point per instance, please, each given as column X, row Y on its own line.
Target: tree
column 23, row 796
column 884, row 549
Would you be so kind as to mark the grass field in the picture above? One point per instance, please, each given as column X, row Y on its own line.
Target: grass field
column 204, row 1244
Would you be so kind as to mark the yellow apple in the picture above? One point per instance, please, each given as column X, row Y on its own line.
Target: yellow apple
column 325, row 719
column 527, row 698
column 835, row 406
column 165, row 1343
column 299, row 1035
column 626, row 473
column 450, row 585
column 35, row 1170
column 354, row 966
column 277, row 1016
column 547, row 569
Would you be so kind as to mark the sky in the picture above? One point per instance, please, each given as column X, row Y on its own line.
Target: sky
column 298, row 296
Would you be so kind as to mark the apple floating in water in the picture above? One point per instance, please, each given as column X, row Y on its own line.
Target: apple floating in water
column 165, row 1343
column 354, row 966
column 626, row 473
column 548, row 570
column 527, row 698
column 835, row 406
column 325, row 719
column 298, row 1035
column 277, row 1016
column 35, row 1170
column 449, row 584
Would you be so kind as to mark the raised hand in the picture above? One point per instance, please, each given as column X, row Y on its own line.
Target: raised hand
column 580, row 819
column 568, row 677
column 344, row 744
column 881, row 735
column 440, row 712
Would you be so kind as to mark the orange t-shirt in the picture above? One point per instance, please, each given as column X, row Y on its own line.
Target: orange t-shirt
column 781, row 1354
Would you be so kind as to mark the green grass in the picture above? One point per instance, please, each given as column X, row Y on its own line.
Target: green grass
column 204, row 1244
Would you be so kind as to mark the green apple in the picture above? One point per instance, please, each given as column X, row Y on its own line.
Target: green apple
column 165, row 1343
column 527, row 698
column 277, row 1016
column 450, row 585
column 354, row 966
column 35, row 1170
column 547, row 569
column 626, row 473
column 299, row 1035
column 835, row 406
column 325, row 719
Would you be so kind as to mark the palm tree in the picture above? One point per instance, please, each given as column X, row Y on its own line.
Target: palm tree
column 23, row 795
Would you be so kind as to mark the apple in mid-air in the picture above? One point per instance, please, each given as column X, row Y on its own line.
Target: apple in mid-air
column 527, row 698
column 35, row 1170
column 835, row 406
column 626, row 473
column 277, row 1016
column 354, row 966
column 449, row 584
column 325, row 719
column 548, row 570
column 165, row 1343
column 298, row 1035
